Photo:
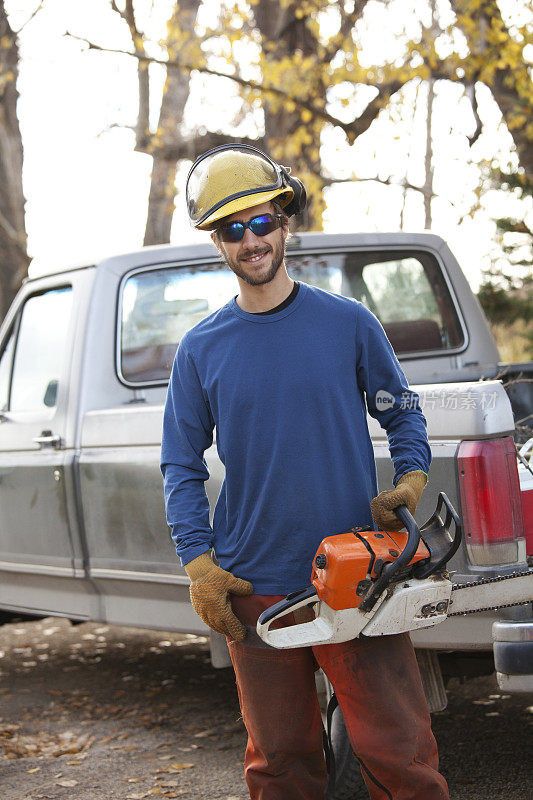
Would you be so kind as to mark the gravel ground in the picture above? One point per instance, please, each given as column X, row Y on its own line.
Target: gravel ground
column 95, row 712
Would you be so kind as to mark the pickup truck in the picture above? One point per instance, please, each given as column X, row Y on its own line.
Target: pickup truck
column 85, row 357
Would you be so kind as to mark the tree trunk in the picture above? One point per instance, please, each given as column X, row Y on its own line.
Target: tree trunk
column 162, row 186
column 13, row 253
column 289, row 140
column 428, row 184
column 510, row 85
column 507, row 96
column 176, row 91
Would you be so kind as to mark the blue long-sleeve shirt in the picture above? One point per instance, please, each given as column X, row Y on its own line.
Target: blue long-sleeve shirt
column 288, row 394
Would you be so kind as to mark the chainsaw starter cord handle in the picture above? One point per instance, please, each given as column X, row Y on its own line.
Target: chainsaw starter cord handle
column 405, row 557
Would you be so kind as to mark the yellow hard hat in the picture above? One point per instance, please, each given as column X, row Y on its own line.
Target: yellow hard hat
column 232, row 178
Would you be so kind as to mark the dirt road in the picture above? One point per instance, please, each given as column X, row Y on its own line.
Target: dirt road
column 94, row 712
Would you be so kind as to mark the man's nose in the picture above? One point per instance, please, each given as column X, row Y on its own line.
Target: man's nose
column 250, row 239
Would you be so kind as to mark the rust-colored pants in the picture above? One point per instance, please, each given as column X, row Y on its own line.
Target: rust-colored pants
column 378, row 686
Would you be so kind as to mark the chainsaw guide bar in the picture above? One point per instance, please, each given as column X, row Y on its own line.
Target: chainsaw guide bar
column 521, row 589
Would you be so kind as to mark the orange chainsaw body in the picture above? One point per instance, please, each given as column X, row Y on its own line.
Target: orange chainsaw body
column 346, row 562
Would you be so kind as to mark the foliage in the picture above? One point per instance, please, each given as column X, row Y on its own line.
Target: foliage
column 506, row 292
column 300, row 69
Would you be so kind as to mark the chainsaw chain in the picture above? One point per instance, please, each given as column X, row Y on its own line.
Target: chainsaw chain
column 458, row 586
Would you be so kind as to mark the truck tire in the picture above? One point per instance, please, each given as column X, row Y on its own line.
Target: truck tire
column 345, row 782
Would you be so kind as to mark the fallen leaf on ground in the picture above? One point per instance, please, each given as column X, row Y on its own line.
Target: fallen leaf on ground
column 108, row 739
column 67, row 784
column 179, row 767
column 8, row 730
column 172, row 769
column 41, row 744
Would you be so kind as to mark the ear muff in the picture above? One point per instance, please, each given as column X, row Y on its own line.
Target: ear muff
column 299, row 201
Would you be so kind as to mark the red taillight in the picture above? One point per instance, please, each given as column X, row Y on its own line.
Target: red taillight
column 490, row 500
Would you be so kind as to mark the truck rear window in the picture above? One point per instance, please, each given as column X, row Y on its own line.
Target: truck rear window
column 405, row 290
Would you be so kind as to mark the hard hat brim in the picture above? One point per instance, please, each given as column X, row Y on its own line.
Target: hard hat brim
column 285, row 195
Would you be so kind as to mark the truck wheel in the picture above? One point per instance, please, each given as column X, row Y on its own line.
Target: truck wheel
column 346, row 783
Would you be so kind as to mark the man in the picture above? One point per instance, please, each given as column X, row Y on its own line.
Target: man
column 286, row 373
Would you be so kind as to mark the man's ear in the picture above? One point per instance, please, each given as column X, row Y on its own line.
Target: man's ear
column 214, row 239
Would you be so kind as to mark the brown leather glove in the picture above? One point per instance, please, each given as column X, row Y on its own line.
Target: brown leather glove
column 209, row 596
column 407, row 492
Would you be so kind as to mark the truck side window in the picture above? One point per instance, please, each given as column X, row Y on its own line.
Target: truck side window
column 405, row 290
column 158, row 307
column 405, row 304
column 40, row 350
column 408, row 294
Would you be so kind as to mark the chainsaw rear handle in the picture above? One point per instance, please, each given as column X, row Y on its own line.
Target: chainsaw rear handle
column 294, row 600
column 300, row 635
column 405, row 557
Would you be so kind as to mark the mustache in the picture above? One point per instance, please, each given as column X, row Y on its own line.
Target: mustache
column 256, row 252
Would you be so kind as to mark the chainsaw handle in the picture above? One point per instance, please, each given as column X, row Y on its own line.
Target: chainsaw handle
column 300, row 635
column 294, row 600
column 413, row 537
column 435, row 534
column 405, row 557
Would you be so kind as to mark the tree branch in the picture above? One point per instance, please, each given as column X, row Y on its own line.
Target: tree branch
column 128, row 15
column 190, row 149
column 131, row 128
column 352, row 129
column 30, row 18
column 387, row 182
column 470, row 92
column 142, row 131
column 347, row 22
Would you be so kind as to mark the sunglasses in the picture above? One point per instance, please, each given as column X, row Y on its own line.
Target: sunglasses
column 260, row 226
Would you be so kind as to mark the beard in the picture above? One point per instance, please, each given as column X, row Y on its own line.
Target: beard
column 239, row 267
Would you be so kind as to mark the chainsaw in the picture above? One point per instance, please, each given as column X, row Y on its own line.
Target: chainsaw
column 375, row 583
